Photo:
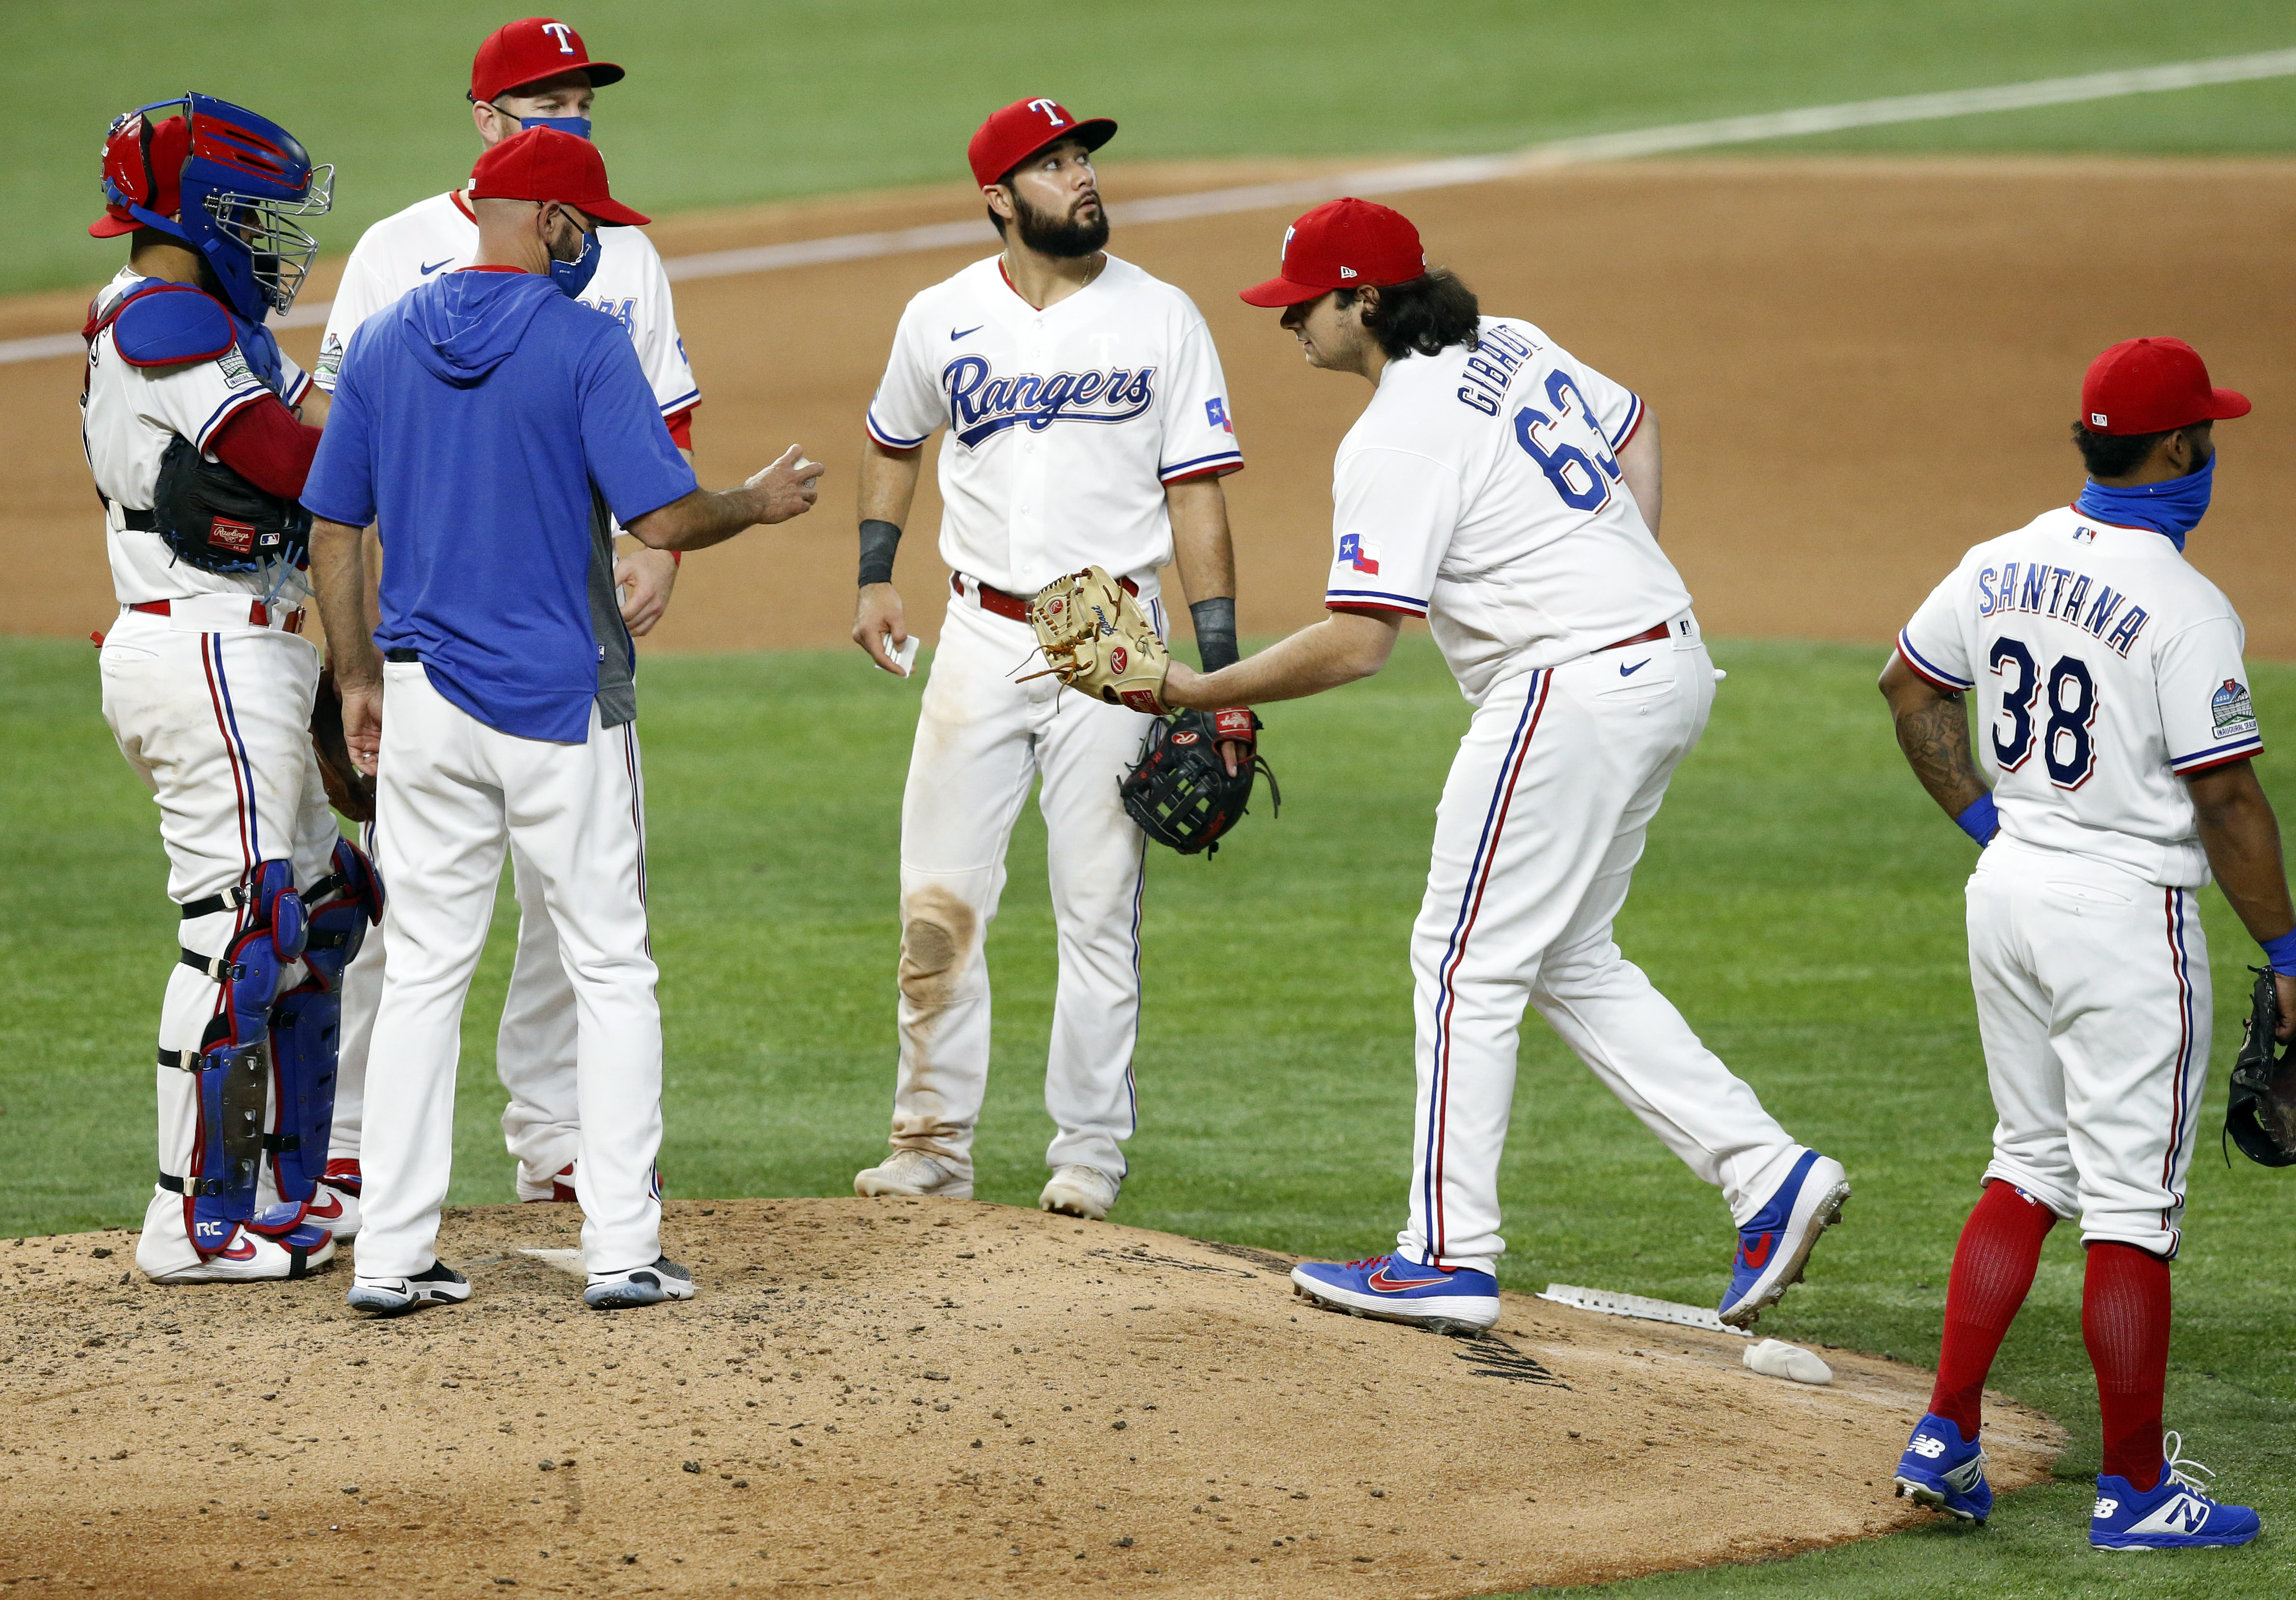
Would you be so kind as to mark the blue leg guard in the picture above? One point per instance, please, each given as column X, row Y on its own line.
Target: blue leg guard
column 305, row 1024
column 236, row 1060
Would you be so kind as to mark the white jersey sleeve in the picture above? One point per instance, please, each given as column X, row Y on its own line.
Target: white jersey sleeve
column 363, row 293
column 1392, row 516
column 653, row 328
column 1199, row 434
column 2206, row 710
column 906, row 407
column 1936, row 644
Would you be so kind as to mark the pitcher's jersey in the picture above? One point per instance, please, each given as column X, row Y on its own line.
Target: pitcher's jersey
column 2106, row 671
column 129, row 415
column 1064, row 424
column 440, row 235
column 1480, row 489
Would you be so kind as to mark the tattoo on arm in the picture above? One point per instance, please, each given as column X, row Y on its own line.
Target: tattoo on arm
column 1935, row 738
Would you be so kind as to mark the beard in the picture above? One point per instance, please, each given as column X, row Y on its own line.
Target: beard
column 1060, row 236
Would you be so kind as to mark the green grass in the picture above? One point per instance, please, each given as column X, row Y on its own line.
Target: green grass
column 1801, row 901
column 731, row 101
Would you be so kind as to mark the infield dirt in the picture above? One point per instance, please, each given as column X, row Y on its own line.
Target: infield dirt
column 928, row 1398
column 1861, row 368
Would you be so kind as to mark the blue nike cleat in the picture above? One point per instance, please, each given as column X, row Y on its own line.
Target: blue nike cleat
column 1447, row 1299
column 2177, row 1515
column 1775, row 1247
column 1945, row 1472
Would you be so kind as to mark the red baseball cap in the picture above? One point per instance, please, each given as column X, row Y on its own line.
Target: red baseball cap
column 2152, row 386
column 154, row 182
column 1345, row 244
column 545, row 164
column 528, row 51
column 1012, row 136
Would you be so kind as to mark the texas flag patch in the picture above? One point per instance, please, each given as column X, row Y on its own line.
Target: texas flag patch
column 1216, row 414
column 1356, row 552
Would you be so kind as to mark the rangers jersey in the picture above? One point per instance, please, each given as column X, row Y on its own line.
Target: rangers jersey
column 2106, row 671
column 1481, row 491
column 1064, row 424
column 439, row 234
column 141, row 395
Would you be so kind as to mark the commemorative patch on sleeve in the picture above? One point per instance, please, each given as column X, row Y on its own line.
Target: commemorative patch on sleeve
column 2234, row 713
column 235, row 370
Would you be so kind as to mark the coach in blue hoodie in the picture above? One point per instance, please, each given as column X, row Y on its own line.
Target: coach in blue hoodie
column 489, row 424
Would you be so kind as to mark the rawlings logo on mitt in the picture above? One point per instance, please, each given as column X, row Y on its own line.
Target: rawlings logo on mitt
column 1096, row 638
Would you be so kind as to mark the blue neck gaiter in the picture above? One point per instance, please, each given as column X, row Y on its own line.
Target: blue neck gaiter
column 579, row 127
column 2174, row 506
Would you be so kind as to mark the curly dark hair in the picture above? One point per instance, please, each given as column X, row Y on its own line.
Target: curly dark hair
column 1425, row 316
column 2115, row 454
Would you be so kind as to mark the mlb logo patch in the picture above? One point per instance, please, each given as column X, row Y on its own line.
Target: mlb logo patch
column 2084, row 536
column 1356, row 552
column 1216, row 414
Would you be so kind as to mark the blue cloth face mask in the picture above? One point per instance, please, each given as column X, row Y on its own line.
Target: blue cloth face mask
column 579, row 127
column 572, row 278
column 2174, row 506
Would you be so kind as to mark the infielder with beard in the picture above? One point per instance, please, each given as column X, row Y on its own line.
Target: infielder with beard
column 1087, row 423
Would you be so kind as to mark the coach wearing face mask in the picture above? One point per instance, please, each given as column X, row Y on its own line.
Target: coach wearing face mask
column 488, row 424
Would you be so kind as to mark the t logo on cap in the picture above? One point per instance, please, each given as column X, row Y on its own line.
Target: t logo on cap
column 564, row 35
column 1051, row 110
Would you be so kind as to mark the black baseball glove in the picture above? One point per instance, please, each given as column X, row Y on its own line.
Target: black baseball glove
column 2260, row 1115
column 217, row 520
column 1181, row 792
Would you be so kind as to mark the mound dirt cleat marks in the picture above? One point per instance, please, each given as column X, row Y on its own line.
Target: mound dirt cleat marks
column 1445, row 1299
column 438, row 1284
column 2176, row 1513
column 1774, row 1245
column 639, row 1286
column 1945, row 1472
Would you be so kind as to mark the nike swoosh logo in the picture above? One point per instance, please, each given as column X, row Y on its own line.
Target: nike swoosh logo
column 435, row 266
column 1637, row 666
column 1754, row 1256
column 1392, row 1285
column 954, row 335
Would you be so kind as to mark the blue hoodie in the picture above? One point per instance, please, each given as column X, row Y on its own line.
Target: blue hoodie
column 489, row 424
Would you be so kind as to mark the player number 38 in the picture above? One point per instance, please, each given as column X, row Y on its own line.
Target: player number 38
column 2066, row 749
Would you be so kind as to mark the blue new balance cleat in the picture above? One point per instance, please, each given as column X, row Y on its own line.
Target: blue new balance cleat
column 1775, row 1247
column 1448, row 1300
column 1945, row 1472
column 2176, row 1513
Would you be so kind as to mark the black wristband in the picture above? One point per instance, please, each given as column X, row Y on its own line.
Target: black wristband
column 879, row 540
column 1215, row 621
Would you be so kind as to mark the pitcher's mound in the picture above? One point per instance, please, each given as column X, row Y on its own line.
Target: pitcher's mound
column 899, row 1397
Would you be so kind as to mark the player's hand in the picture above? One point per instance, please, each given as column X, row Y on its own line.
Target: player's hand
column 2286, row 985
column 790, row 486
column 645, row 577
column 363, row 726
column 1183, row 688
column 876, row 616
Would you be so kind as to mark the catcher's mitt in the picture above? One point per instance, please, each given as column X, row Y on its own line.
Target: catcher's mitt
column 1180, row 791
column 2260, row 1116
column 217, row 520
column 1096, row 638
column 349, row 790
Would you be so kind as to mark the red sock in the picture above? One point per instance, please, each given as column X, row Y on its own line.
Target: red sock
column 1993, row 1268
column 2125, row 1323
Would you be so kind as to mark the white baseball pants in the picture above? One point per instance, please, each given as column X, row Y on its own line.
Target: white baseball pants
column 982, row 740
column 2092, row 1000
column 216, row 723
column 1540, row 824
column 534, row 1047
column 453, row 795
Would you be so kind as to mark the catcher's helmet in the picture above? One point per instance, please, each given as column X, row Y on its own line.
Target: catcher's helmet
column 225, row 182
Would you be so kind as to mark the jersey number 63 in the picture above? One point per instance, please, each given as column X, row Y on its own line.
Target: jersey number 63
column 1583, row 485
